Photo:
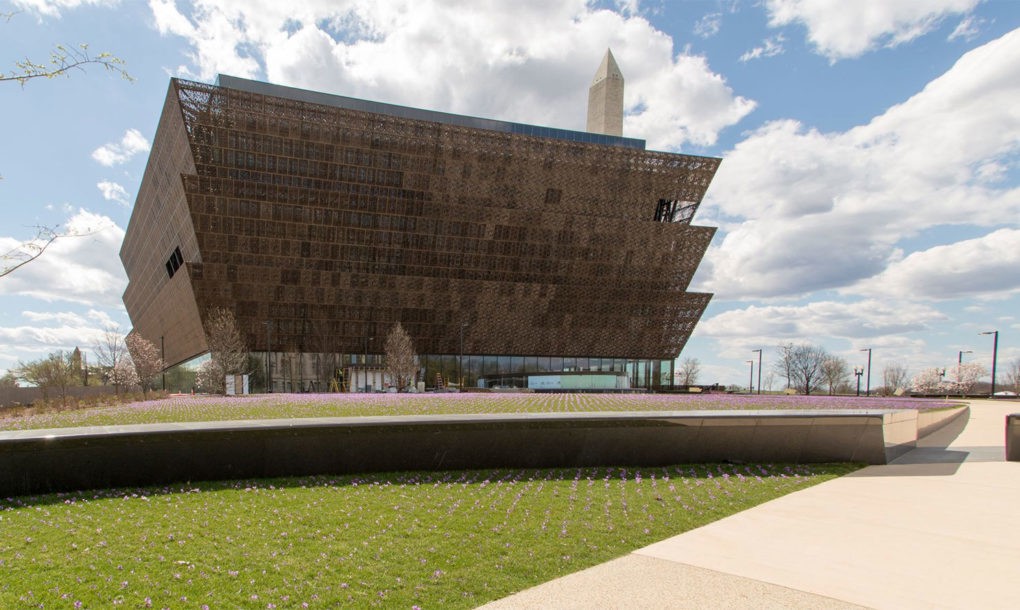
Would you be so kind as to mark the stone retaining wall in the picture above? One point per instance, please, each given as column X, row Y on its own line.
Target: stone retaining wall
column 39, row 461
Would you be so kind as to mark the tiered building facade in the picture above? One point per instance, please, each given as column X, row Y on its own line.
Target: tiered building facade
column 508, row 252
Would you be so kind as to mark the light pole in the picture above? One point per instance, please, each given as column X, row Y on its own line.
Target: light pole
column 750, row 382
column 367, row 341
column 959, row 358
column 269, row 357
column 867, row 387
column 995, row 355
column 460, row 361
column 759, row 368
column 858, row 371
column 162, row 356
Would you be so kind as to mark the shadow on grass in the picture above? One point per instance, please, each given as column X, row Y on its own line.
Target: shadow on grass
column 442, row 477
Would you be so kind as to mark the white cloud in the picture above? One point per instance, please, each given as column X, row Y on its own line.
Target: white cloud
column 968, row 28
column 113, row 192
column 988, row 265
column 860, row 320
column 44, row 333
column 809, row 210
column 53, row 8
column 842, row 30
column 769, row 48
column 83, row 267
column 709, row 25
column 844, row 328
column 526, row 61
column 115, row 153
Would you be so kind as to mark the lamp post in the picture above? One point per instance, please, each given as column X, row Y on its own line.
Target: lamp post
column 162, row 356
column 750, row 382
column 269, row 357
column 460, row 360
column 367, row 341
column 867, row 387
column 759, row 368
column 995, row 355
column 959, row 358
column 858, row 371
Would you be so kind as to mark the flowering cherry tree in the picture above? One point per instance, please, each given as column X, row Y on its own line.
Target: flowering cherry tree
column 145, row 356
column 964, row 376
column 929, row 381
column 123, row 374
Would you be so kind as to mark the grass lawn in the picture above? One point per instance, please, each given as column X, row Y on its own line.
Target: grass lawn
column 271, row 406
column 400, row 540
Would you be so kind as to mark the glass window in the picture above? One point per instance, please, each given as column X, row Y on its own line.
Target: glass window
column 570, row 364
column 473, row 365
column 582, row 364
column 490, row 365
column 556, row 364
column 517, row 364
column 531, row 364
column 504, row 365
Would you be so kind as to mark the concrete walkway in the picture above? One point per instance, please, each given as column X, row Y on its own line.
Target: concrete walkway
column 937, row 528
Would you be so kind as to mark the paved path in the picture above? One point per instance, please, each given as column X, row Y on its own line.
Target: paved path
column 937, row 528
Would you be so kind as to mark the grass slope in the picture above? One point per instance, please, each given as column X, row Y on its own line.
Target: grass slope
column 400, row 540
column 271, row 406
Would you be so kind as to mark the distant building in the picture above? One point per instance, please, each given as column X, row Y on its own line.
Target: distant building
column 507, row 251
column 605, row 99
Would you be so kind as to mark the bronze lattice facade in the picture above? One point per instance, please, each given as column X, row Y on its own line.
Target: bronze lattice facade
column 322, row 221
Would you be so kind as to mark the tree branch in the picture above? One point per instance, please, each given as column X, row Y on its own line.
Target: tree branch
column 63, row 59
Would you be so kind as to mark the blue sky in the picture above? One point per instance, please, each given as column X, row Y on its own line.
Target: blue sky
column 869, row 194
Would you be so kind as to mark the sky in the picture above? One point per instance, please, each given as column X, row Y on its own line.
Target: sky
column 868, row 197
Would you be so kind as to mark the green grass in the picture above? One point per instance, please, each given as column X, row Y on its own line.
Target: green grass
column 270, row 406
column 433, row 540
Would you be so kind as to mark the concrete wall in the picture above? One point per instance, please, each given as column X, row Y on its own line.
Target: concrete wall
column 1013, row 437
column 39, row 461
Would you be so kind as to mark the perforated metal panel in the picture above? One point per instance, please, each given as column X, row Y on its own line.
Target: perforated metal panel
column 335, row 223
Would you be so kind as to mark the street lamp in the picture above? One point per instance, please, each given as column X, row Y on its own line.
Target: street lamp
column 867, row 388
column 750, row 382
column 367, row 341
column 759, row 368
column 858, row 371
column 959, row 359
column 460, row 361
column 995, row 354
column 162, row 356
column 269, row 357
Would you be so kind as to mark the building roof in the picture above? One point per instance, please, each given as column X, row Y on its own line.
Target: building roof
column 351, row 103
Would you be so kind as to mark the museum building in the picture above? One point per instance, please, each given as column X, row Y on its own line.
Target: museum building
column 513, row 255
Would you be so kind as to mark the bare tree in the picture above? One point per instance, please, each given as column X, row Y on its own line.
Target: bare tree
column 688, row 373
column 401, row 361
column 805, row 365
column 55, row 372
column 9, row 380
column 894, row 377
column 110, row 349
column 228, row 350
column 145, row 356
column 784, row 365
column 1013, row 375
column 835, row 371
